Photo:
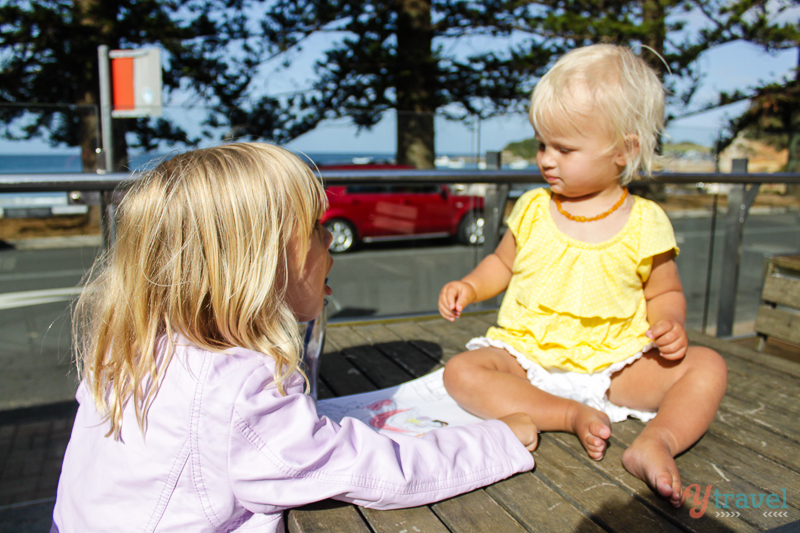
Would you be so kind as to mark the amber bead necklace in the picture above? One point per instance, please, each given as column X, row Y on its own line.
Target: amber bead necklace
column 591, row 219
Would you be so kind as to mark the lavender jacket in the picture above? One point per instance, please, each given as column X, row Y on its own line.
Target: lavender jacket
column 225, row 450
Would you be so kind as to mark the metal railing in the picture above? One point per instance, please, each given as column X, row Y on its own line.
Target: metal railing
column 99, row 188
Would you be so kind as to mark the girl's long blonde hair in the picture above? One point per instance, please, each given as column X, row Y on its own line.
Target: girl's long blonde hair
column 201, row 251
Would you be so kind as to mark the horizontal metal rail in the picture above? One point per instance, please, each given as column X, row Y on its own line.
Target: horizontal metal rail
column 107, row 182
column 740, row 199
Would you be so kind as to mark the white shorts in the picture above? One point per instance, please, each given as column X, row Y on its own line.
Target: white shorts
column 589, row 389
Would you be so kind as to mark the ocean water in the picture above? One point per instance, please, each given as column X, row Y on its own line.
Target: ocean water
column 47, row 163
column 35, row 163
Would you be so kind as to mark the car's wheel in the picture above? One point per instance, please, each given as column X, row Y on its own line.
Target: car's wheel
column 344, row 235
column 470, row 229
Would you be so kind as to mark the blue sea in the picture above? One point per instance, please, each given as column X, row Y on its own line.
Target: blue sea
column 71, row 162
column 46, row 163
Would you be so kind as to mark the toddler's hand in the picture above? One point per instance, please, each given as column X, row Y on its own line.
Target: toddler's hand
column 670, row 338
column 455, row 296
column 524, row 429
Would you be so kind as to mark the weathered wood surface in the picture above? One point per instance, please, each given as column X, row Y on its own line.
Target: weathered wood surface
column 752, row 449
column 779, row 316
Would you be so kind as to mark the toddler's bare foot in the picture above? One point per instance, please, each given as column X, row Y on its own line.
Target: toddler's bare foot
column 649, row 458
column 593, row 428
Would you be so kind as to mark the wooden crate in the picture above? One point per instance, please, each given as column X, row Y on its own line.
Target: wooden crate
column 779, row 314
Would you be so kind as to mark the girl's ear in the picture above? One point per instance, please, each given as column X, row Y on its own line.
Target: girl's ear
column 630, row 147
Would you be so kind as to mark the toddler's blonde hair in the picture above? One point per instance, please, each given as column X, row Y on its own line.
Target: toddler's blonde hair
column 624, row 93
column 201, row 251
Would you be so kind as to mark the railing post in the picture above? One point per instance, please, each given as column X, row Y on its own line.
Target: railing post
column 494, row 207
column 108, row 218
column 105, row 109
column 740, row 199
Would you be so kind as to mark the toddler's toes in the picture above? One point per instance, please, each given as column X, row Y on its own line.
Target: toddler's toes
column 593, row 429
column 651, row 461
column 595, row 447
column 600, row 428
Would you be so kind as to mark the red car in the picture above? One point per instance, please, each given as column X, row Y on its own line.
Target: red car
column 377, row 212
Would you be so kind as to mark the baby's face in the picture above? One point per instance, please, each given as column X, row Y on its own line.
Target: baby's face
column 577, row 157
column 307, row 289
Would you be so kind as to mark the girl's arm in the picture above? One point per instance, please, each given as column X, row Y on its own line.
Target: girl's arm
column 490, row 278
column 283, row 455
column 666, row 307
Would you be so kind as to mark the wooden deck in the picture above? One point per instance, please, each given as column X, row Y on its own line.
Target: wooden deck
column 750, row 452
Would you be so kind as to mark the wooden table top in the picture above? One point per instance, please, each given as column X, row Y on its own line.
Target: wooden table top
column 752, row 450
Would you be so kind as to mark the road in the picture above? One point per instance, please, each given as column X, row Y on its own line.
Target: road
column 387, row 279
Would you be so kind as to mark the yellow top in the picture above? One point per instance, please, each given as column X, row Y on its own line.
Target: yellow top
column 574, row 305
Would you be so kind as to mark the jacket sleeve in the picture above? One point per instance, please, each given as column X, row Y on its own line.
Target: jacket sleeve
column 283, row 455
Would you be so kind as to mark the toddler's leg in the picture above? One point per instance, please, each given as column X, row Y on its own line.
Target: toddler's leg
column 687, row 394
column 490, row 383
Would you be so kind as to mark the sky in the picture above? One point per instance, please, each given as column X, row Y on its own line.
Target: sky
column 733, row 66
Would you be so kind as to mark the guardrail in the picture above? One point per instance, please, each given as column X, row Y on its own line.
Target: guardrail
column 99, row 188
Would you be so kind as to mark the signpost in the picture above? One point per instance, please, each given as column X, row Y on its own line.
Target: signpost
column 134, row 79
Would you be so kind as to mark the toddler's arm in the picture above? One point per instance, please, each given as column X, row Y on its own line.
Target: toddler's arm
column 666, row 307
column 490, row 278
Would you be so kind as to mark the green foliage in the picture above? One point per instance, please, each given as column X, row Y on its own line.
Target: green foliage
column 684, row 147
column 525, row 149
column 405, row 55
column 49, row 59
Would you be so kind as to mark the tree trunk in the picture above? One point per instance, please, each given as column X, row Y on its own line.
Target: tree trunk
column 415, row 84
column 793, row 141
column 89, row 132
column 96, row 17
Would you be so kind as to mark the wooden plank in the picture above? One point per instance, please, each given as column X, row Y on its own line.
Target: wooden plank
column 345, row 378
column 693, row 468
column 731, row 458
column 747, row 382
column 611, row 505
column 406, row 355
column 450, row 333
column 326, row 516
column 727, row 349
column 778, row 323
column 759, row 413
column 345, row 337
column 739, row 429
column 489, row 317
column 789, row 262
column 532, row 503
column 476, row 512
column 426, row 341
column 382, row 371
column 341, row 377
column 377, row 333
column 323, row 392
column 404, row 520
column 473, row 325
column 782, row 291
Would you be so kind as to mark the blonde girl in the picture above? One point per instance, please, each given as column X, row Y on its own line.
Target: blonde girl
column 591, row 328
column 192, row 410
